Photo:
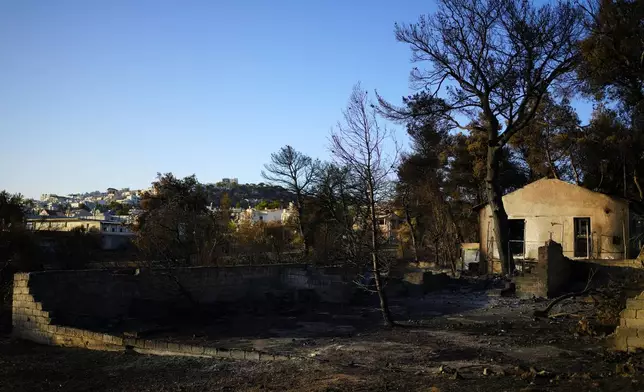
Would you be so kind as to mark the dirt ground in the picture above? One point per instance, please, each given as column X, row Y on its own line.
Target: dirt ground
column 454, row 341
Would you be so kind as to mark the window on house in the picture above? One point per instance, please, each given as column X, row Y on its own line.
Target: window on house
column 381, row 222
column 583, row 237
column 121, row 229
column 517, row 236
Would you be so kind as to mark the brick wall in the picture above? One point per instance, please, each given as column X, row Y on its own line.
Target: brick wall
column 549, row 277
column 75, row 308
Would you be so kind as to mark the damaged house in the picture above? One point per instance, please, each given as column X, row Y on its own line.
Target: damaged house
column 588, row 225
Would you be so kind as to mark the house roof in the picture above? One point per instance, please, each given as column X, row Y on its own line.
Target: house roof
column 635, row 203
column 71, row 219
column 46, row 212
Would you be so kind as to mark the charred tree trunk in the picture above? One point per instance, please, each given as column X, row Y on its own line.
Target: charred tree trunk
column 574, row 170
column 553, row 167
column 637, row 185
column 412, row 230
column 495, row 198
column 300, row 227
column 384, row 303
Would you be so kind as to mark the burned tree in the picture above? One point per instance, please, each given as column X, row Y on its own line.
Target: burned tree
column 497, row 58
column 295, row 172
column 176, row 227
column 360, row 143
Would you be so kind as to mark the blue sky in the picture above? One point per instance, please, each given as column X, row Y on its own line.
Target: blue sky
column 97, row 94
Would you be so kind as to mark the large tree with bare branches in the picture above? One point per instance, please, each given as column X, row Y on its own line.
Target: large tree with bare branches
column 294, row 171
column 360, row 144
column 496, row 58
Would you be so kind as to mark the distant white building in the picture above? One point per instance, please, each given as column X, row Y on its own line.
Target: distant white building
column 279, row 215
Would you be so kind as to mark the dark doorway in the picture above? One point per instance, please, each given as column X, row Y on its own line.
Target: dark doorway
column 517, row 237
column 583, row 241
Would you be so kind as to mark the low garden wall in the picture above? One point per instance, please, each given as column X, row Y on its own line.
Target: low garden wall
column 85, row 308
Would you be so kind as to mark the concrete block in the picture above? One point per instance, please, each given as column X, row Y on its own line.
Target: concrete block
column 21, row 297
column 223, row 353
column 197, row 350
column 129, row 342
column 58, row 340
column 628, row 313
column 625, row 332
column 635, row 304
column 24, row 309
column 24, row 315
column 185, row 348
column 634, row 323
column 174, row 347
column 160, row 345
column 253, row 355
column 640, row 314
column 94, row 336
column 635, row 342
column 77, row 341
column 41, row 338
column 75, row 332
column 21, row 276
column 19, row 283
column 20, row 290
column 237, row 354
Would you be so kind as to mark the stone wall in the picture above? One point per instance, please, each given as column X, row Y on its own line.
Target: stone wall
column 30, row 321
column 549, row 277
column 629, row 335
column 76, row 308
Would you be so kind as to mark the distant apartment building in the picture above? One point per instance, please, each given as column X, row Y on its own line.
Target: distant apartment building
column 54, row 199
column 229, row 181
column 114, row 233
column 79, row 213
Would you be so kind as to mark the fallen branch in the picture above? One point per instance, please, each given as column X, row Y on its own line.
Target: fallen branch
column 566, row 314
column 586, row 290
